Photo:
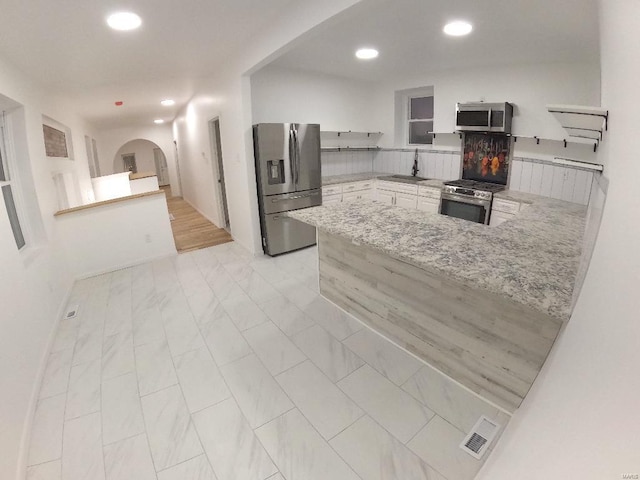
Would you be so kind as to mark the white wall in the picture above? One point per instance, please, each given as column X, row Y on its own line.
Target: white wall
column 143, row 233
column 228, row 96
column 529, row 87
column 293, row 96
column 33, row 283
column 143, row 150
column 110, row 141
column 581, row 420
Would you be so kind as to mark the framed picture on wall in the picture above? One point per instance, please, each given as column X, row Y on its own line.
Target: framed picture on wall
column 57, row 139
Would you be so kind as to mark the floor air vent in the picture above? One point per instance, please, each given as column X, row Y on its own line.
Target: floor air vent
column 480, row 437
column 71, row 312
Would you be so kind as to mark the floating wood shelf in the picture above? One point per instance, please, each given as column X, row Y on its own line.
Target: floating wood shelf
column 350, row 149
column 584, row 123
column 349, row 134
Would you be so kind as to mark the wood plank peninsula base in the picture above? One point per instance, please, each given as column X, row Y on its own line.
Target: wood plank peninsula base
column 493, row 345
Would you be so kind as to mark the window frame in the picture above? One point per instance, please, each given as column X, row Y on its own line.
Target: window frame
column 11, row 179
column 402, row 112
column 410, row 120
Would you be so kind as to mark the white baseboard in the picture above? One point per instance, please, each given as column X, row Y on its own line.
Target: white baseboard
column 122, row 266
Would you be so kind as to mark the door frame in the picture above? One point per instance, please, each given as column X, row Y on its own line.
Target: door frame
column 217, row 168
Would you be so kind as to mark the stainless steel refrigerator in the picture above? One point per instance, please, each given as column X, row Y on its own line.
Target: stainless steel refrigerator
column 288, row 175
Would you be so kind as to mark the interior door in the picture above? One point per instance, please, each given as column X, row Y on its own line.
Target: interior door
column 161, row 167
column 129, row 161
column 308, row 174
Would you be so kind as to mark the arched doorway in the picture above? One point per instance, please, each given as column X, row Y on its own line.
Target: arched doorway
column 140, row 156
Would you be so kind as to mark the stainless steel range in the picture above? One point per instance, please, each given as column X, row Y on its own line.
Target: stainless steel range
column 469, row 199
column 485, row 170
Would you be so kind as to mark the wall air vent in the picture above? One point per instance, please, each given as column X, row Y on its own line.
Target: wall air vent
column 71, row 312
column 478, row 440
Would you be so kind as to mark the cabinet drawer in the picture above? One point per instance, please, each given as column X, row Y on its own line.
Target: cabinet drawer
column 506, row 206
column 329, row 199
column 356, row 186
column 397, row 187
column 331, row 190
column 430, row 192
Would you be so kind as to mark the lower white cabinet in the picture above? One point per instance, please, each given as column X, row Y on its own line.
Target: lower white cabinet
column 406, row 201
column 329, row 199
column 499, row 217
column 385, row 196
column 427, row 204
column 346, row 192
column 503, row 210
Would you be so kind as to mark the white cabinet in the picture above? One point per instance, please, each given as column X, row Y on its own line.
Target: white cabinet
column 499, row 217
column 399, row 194
column 346, row 192
column 503, row 210
column 385, row 196
column 427, row 204
column 429, row 199
column 330, row 199
column 406, row 201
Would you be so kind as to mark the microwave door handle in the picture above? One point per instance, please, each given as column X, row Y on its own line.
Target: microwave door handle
column 489, row 118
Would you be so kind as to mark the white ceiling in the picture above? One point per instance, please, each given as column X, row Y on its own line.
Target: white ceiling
column 67, row 47
column 408, row 34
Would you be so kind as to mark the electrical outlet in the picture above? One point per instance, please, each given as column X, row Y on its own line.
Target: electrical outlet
column 147, row 238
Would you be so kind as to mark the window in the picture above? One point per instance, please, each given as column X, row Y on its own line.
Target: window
column 8, row 186
column 414, row 116
column 420, row 113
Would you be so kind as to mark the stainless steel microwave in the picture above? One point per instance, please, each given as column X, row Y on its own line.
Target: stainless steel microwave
column 484, row 117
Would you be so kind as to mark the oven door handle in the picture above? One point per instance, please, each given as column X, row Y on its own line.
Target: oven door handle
column 464, row 199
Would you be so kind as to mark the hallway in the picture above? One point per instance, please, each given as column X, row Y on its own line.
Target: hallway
column 192, row 231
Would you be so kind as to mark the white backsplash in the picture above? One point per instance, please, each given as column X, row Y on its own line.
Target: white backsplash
column 529, row 175
column 346, row 162
column 441, row 165
column 543, row 178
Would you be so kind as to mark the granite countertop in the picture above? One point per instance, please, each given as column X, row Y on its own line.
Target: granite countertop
column 532, row 259
column 358, row 177
column 352, row 177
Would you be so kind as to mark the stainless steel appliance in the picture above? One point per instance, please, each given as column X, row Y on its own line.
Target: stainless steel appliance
column 288, row 176
column 484, row 117
column 468, row 199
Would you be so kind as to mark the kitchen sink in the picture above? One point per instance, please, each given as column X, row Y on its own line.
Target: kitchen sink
column 403, row 178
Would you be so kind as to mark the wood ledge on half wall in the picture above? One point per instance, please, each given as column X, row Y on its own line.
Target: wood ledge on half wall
column 107, row 202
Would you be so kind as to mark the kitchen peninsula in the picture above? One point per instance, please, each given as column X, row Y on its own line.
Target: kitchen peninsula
column 482, row 304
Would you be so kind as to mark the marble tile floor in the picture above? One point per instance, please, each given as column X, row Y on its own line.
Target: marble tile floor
column 217, row 365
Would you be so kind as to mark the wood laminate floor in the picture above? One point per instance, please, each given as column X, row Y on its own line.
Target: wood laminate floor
column 191, row 231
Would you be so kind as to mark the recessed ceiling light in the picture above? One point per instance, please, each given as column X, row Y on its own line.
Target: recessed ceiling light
column 158, row 121
column 457, row 29
column 124, row 21
column 168, row 102
column 367, row 53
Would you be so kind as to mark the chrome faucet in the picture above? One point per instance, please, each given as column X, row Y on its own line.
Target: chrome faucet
column 415, row 170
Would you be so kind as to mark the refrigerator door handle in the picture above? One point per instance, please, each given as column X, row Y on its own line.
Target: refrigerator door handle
column 292, row 157
column 297, row 154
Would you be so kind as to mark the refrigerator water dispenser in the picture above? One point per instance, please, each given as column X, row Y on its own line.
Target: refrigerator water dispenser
column 276, row 171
